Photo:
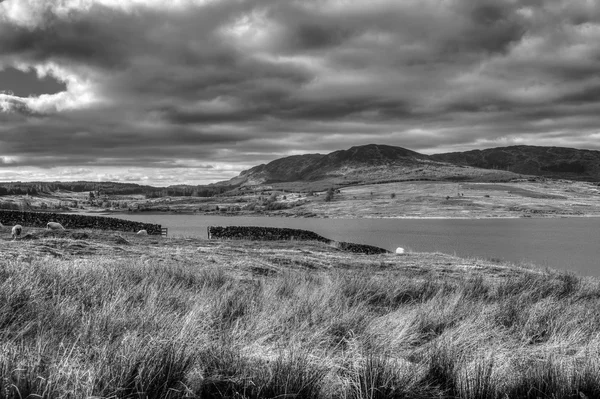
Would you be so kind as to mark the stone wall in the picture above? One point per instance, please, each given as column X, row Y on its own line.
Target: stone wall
column 40, row 219
column 284, row 234
column 360, row 248
column 263, row 234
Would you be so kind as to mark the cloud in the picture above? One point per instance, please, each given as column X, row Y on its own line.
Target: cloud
column 232, row 83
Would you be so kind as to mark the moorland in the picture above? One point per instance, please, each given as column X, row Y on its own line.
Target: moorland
column 115, row 315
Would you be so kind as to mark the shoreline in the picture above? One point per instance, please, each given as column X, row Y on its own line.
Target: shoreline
column 558, row 216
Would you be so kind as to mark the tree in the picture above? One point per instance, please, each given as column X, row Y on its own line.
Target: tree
column 329, row 195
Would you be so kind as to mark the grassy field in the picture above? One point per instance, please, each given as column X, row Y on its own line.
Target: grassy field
column 463, row 200
column 112, row 315
column 407, row 199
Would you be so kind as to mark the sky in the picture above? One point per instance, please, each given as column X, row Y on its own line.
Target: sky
column 195, row 91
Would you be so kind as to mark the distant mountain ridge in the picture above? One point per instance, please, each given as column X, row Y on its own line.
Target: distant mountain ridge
column 553, row 162
column 310, row 167
column 377, row 161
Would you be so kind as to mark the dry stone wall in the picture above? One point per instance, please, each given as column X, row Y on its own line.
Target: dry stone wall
column 360, row 248
column 40, row 219
column 285, row 234
column 263, row 234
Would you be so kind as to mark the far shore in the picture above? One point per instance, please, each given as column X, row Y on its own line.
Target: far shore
column 267, row 215
column 397, row 200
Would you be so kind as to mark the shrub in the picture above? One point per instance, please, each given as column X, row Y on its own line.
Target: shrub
column 329, row 195
column 276, row 206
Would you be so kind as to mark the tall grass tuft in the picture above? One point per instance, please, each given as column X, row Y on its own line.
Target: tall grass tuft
column 380, row 377
column 111, row 327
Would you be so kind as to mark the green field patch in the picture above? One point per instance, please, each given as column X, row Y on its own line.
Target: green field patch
column 511, row 190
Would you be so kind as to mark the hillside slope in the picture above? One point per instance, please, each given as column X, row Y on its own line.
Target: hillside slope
column 554, row 162
column 368, row 163
column 144, row 317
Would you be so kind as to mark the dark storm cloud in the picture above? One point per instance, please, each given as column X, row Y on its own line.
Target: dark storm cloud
column 493, row 27
column 586, row 95
column 311, row 36
column 235, row 83
column 78, row 38
column 106, row 141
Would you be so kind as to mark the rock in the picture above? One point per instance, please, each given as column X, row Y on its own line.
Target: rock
column 121, row 241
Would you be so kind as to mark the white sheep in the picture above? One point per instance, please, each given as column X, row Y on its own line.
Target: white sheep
column 54, row 226
column 16, row 231
column 399, row 250
column 142, row 233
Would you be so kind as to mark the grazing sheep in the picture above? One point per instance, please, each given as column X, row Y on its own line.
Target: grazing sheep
column 399, row 250
column 142, row 233
column 54, row 226
column 16, row 231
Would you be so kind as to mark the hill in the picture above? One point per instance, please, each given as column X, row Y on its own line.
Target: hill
column 381, row 163
column 553, row 162
column 368, row 163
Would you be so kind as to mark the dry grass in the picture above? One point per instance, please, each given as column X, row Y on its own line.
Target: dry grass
column 460, row 200
column 196, row 319
column 411, row 199
column 552, row 198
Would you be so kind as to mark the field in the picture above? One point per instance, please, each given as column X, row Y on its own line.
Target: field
column 407, row 199
column 464, row 200
column 551, row 198
column 114, row 315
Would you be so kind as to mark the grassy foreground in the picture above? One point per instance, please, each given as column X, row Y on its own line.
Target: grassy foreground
column 142, row 317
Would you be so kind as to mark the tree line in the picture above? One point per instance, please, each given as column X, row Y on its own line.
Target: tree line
column 109, row 188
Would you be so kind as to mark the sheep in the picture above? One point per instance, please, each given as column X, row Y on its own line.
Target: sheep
column 16, row 231
column 399, row 250
column 54, row 226
column 142, row 233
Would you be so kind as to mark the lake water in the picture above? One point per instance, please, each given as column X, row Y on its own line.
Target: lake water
column 561, row 243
